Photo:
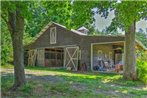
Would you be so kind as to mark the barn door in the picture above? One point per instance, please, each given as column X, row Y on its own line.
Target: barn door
column 71, row 57
column 40, row 57
column 32, row 57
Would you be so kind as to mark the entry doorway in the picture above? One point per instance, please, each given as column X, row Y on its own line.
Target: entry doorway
column 105, row 56
column 54, row 57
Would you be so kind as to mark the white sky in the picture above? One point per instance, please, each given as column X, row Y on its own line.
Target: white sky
column 101, row 23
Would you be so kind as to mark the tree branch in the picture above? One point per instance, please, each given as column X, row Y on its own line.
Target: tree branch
column 4, row 19
column 8, row 24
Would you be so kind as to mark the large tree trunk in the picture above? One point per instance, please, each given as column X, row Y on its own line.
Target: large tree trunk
column 130, row 54
column 16, row 28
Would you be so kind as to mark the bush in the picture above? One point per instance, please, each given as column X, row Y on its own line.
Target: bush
column 142, row 70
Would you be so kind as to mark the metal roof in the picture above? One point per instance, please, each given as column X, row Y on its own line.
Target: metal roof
column 83, row 28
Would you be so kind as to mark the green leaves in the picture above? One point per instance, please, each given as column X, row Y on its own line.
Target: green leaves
column 127, row 12
column 6, row 52
column 142, row 36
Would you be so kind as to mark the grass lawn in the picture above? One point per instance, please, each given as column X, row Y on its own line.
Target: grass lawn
column 43, row 82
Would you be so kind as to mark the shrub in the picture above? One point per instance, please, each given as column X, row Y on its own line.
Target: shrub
column 142, row 70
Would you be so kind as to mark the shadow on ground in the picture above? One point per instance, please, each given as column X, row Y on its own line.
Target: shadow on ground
column 55, row 83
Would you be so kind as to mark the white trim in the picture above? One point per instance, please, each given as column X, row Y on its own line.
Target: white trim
column 77, row 32
column 64, row 58
column 59, row 25
column 53, row 35
column 91, row 57
column 124, row 53
column 98, row 44
column 82, row 28
column 64, row 46
column 107, row 42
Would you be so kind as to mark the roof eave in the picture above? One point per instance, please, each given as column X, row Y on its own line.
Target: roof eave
column 141, row 45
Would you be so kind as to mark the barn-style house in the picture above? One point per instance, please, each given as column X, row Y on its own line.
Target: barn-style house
column 56, row 46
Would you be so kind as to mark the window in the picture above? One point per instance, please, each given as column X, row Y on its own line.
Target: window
column 100, row 54
column 53, row 35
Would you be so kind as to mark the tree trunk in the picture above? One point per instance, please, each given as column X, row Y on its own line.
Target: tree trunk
column 16, row 28
column 130, row 54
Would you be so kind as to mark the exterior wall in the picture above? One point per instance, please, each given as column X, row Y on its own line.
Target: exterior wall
column 64, row 37
column 67, row 37
column 85, row 54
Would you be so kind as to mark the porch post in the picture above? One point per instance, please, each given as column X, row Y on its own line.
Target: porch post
column 124, row 53
column 64, row 57
column 91, row 57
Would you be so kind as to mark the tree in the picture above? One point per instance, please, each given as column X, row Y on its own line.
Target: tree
column 142, row 36
column 127, row 13
column 45, row 11
column 6, row 48
column 13, row 17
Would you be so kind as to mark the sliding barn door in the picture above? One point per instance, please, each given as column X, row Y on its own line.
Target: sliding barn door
column 71, row 57
column 40, row 57
column 32, row 57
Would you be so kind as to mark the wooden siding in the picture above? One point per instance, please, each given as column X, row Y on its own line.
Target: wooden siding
column 66, row 37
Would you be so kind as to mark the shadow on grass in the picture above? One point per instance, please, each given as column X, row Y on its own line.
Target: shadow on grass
column 72, row 84
column 111, row 78
column 39, row 68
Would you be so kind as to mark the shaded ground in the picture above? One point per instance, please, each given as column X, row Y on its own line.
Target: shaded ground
column 58, row 83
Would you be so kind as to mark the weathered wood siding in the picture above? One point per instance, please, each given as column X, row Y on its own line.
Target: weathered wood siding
column 67, row 37
column 64, row 37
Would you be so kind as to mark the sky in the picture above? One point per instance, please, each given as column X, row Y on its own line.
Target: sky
column 101, row 23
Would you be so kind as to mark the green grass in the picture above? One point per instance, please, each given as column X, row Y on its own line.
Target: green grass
column 7, row 66
column 45, row 82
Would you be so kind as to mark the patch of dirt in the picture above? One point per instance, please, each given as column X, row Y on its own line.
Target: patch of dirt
column 51, row 79
column 78, row 86
column 35, row 76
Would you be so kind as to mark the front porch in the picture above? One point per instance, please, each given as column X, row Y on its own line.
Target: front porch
column 107, row 57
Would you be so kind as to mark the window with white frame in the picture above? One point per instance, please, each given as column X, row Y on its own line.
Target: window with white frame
column 100, row 54
column 53, row 35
